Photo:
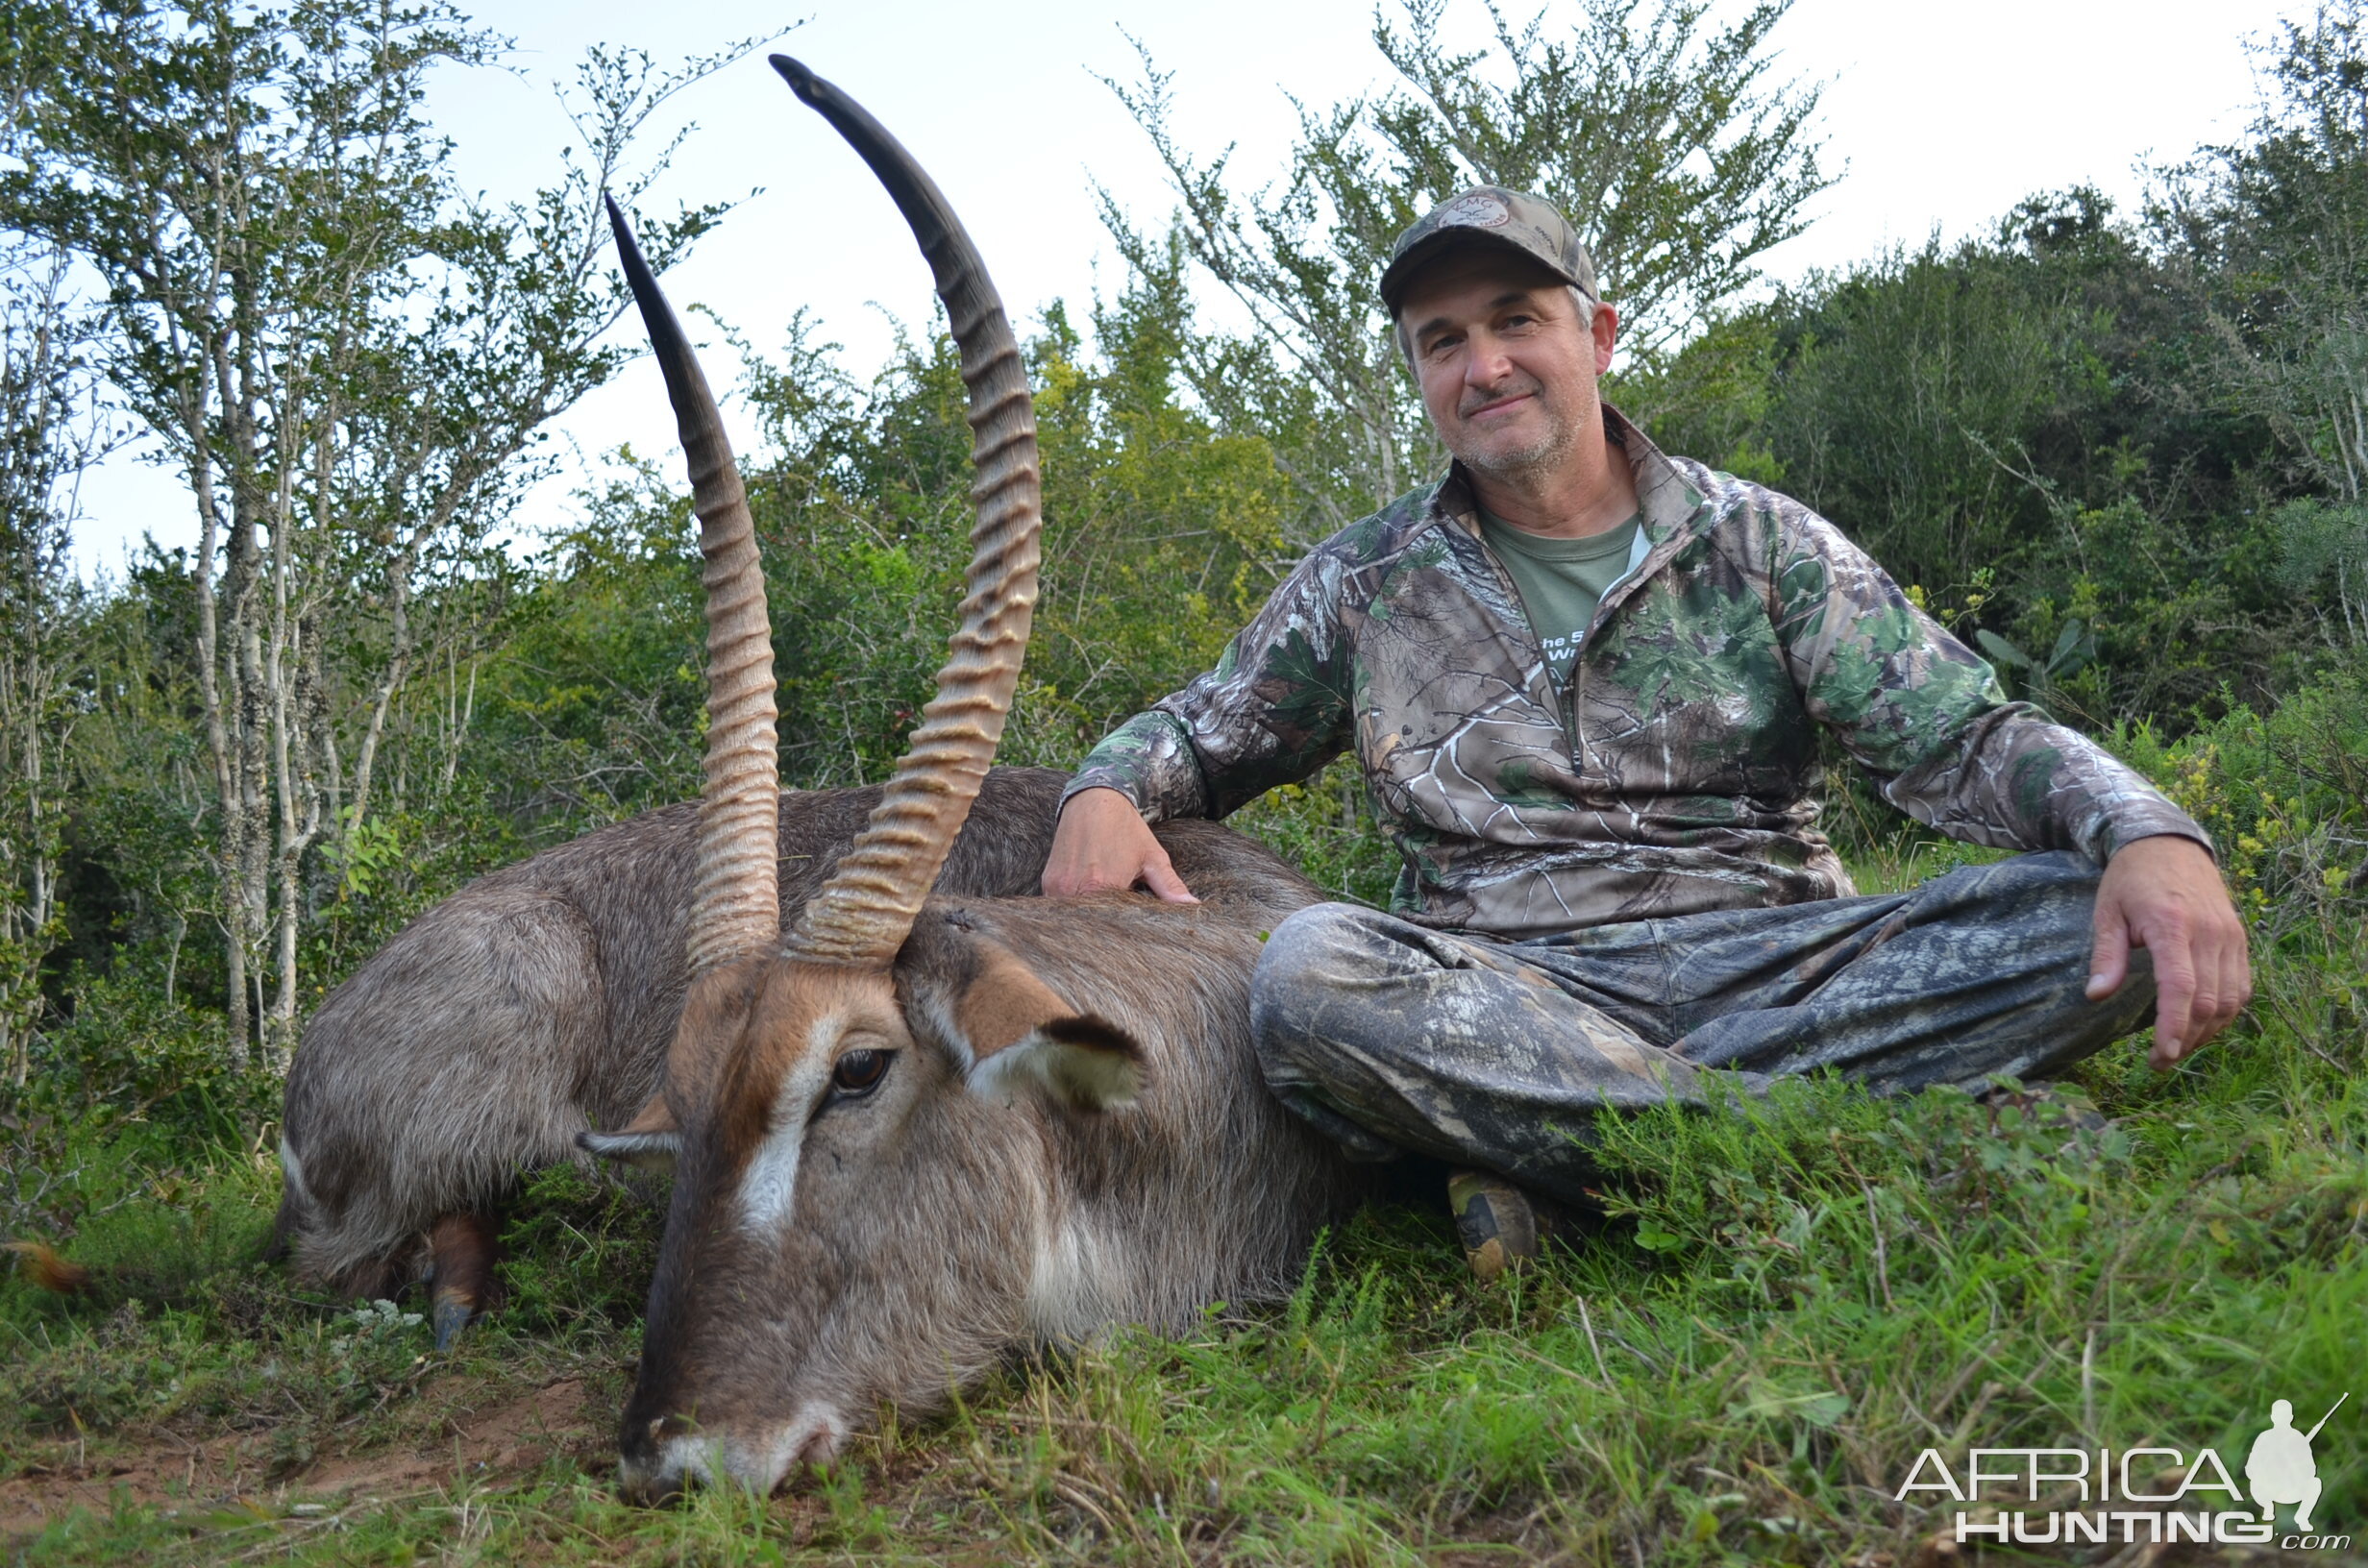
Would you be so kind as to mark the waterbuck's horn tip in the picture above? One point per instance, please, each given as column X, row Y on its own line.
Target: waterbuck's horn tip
column 802, row 82
column 637, row 274
column 622, row 229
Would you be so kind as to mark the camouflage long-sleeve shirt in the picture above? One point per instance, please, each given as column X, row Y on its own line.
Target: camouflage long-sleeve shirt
column 1672, row 773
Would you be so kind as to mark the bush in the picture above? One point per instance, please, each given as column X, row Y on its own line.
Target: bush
column 2285, row 796
column 129, row 1057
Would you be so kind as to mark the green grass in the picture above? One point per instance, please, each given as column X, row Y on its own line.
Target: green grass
column 1778, row 1310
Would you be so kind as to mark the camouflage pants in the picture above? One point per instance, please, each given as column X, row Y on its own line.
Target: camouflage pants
column 1390, row 1036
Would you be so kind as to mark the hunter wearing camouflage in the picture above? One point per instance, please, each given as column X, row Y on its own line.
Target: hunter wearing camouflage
column 1610, row 878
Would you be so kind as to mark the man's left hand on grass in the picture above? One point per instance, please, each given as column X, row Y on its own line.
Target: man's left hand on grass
column 2164, row 895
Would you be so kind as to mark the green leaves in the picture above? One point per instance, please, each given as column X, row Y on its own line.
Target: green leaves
column 1653, row 1237
column 2075, row 649
column 2323, row 556
column 367, row 850
column 1771, row 1399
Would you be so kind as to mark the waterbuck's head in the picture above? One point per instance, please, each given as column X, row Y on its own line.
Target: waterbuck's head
column 866, row 1088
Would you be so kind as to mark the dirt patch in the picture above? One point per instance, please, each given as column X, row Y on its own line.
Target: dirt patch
column 506, row 1437
column 492, row 1434
column 164, row 1470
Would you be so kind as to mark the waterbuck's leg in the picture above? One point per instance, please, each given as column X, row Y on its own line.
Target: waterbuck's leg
column 460, row 1256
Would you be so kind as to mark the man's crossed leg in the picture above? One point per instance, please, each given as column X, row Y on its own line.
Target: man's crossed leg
column 1390, row 1036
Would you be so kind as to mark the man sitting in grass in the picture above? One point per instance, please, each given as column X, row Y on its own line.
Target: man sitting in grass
column 1583, row 678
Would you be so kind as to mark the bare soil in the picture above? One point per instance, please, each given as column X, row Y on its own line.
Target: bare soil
column 480, row 1435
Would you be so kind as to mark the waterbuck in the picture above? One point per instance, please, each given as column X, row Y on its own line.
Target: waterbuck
column 920, row 1133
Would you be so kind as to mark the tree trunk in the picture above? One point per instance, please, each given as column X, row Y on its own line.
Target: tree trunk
column 216, row 705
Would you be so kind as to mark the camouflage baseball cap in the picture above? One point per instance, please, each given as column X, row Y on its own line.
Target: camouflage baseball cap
column 1490, row 215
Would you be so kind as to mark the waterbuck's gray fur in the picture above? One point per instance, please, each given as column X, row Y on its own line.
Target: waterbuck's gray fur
column 535, row 1003
column 917, row 1134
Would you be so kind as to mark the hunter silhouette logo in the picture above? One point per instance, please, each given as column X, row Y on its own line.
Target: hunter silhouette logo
column 2281, row 1469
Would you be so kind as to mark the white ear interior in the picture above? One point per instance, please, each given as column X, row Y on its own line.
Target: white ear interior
column 650, row 1150
column 1084, row 1076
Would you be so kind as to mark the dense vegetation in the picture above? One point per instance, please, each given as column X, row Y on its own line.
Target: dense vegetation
column 2122, row 452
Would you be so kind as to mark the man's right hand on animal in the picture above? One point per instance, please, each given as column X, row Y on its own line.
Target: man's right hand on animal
column 1103, row 845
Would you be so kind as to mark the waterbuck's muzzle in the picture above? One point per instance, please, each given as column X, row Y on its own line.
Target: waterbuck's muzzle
column 665, row 1457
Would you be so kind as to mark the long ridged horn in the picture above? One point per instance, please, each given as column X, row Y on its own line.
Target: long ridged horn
column 863, row 913
column 736, row 909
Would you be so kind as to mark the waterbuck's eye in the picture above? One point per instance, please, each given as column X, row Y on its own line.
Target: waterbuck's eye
column 858, row 1073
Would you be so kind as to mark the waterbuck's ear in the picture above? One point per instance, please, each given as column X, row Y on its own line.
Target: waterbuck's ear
column 651, row 1139
column 1078, row 1061
column 1025, row 1037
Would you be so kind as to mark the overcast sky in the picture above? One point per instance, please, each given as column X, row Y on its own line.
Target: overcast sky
column 1938, row 115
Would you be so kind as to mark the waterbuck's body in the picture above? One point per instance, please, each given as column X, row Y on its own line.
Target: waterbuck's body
column 532, row 1004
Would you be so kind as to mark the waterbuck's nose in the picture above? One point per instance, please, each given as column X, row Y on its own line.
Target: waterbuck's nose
column 670, row 1455
column 657, row 1459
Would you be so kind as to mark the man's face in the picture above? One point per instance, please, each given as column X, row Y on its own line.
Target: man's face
column 1506, row 358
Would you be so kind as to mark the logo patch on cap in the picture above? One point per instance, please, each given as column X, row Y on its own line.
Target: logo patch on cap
column 1474, row 209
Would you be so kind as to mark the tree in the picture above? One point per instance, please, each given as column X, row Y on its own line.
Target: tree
column 1662, row 136
column 49, row 436
column 2001, row 423
column 1909, row 393
column 343, row 354
column 2273, row 233
column 1158, row 533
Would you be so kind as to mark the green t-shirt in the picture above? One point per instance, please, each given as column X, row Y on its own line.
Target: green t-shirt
column 1561, row 580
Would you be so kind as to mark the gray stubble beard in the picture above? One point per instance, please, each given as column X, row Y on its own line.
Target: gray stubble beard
column 1542, row 455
